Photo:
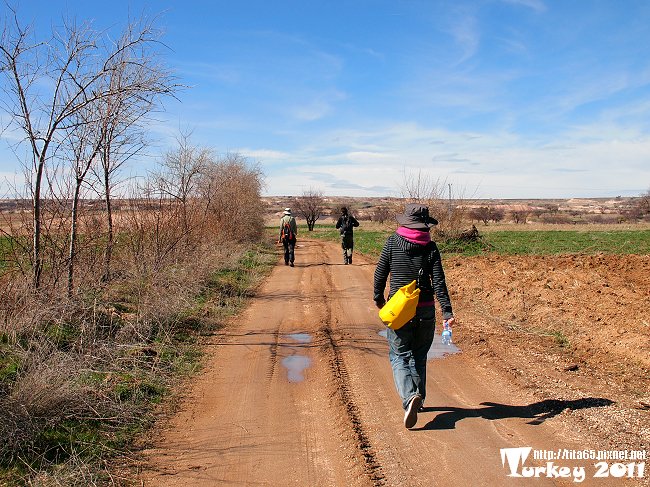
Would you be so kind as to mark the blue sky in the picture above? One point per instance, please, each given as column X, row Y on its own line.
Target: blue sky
column 500, row 98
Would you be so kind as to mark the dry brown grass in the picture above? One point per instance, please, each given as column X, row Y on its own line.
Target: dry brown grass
column 80, row 372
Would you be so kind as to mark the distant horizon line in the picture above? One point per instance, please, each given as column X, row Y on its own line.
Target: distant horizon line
column 370, row 198
column 621, row 197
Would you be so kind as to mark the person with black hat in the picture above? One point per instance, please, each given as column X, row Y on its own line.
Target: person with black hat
column 410, row 254
column 345, row 225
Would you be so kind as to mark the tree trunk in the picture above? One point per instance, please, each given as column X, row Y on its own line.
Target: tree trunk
column 37, row 254
column 73, row 237
column 108, row 252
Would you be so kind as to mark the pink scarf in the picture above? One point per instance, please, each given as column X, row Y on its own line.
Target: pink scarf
column 420, row 237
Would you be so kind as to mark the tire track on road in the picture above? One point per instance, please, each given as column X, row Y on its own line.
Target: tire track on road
column 336, row 363
column 371, row 465
column 273, row 356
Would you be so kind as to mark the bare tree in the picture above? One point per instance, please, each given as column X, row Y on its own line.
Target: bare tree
column 136, row 82
column 310, row 206
column 381, row 214
column 50, row 83
column 84, row 143
column 448, row 208
column 519, row 215
column 179, row 179
column 481, row 213
column 497, row 214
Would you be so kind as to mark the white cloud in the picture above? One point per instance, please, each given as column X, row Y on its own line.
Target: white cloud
column 367, row 157
column 264, row 154
column 607, row 162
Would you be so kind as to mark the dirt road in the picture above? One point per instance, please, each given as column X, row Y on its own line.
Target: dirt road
column 298, row 390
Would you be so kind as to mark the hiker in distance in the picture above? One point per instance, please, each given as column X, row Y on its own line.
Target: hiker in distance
column 407, row 252
column 288, row 232
column 345, row 225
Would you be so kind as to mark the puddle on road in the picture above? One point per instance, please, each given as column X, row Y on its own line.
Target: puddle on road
column 440, row 350
column 437, row 350
column 300, row 337
column 296, row 363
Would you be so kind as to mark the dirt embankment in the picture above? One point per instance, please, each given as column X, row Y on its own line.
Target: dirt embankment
column 565, row 325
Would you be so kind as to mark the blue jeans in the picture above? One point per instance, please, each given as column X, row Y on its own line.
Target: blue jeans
column 407, row 350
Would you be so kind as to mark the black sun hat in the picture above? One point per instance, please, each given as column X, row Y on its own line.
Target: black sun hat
column 416, row 216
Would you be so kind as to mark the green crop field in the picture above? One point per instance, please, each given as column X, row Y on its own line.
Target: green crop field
column 513, row 242
column 570, row 242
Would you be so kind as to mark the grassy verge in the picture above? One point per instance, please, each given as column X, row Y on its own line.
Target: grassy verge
column 78, row 390
column 512, row 242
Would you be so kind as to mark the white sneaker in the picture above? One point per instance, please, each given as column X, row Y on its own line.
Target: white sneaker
column 411, row 414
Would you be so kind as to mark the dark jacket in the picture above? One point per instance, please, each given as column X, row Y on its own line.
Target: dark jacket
column 402, row 260
column 346, row 227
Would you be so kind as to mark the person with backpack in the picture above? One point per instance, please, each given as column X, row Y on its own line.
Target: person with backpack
column 345, row 225
column 288, row 232
column 409, row 254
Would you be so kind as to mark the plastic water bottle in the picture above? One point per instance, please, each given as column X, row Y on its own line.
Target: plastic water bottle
column 446, row 333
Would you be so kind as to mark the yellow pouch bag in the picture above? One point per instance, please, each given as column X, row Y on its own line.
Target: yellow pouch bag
column 400, row 308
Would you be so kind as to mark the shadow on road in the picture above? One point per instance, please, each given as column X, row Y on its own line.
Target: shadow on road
column 537, row 412
column 269, row 338
column 330, row 264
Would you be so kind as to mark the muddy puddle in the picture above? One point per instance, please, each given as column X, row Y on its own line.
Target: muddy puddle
column 295, row 362
column 438, row 350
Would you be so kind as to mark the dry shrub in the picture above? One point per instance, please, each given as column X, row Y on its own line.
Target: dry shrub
column 160, row 298
column 155, row 233
column 23, row 311
column 231, row 188
column 75, row 470
column 609, row 219
column 46, row 394
column 556, row 218
column 98, row 357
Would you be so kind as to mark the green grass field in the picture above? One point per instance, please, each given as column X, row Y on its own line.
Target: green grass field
column 570, row 242
column 513, row 242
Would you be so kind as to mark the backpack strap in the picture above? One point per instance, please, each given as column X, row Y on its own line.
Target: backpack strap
column 426, row 268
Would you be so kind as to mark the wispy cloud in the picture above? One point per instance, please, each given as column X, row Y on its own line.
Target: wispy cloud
column 537, row 5
column 214, row 72
column 264, row 154
column 366, row 51
column 316, row 107
column 465, row 31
